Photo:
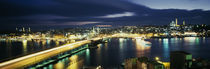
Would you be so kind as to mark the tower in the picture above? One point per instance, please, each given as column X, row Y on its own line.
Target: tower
column 93, row 30
column 183, row 22
column 29, row 29
column 23, row 29
column 16, row 29
column 176, row 22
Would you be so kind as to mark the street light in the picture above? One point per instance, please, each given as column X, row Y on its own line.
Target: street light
column 157, row 58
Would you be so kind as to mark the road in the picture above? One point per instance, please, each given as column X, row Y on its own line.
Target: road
column 31, row 59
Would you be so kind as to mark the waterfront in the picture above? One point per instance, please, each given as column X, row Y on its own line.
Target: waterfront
column 61, row 34
column 13, row 49
column 112, row 54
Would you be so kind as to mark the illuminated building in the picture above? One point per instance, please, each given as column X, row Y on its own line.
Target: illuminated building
column 29, row 29
column 59, row 36
column 177, row 23
column 177, row 30
column 23, row 29
column 180, row 60
column 183, row 22
column 16, row 29
column 172, row 25
column 190, row 34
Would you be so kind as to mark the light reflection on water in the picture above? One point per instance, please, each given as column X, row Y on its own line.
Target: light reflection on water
column 141, row 46
column 166, row 47
column 12, row 49
column 121, row 42
column 24, row 42
column 87, row 56
column 108, row 55
column 72, row 62
column 59, row 65
column 111, row 54
column 190, row 40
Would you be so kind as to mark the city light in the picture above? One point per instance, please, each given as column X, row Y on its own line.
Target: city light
column 104, row 34
column 157, row 58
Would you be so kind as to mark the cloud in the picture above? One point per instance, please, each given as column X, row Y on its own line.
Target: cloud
column 125, row 14
column 42, row 17
column 174, row 4
column 81, row 23
column 54, row 23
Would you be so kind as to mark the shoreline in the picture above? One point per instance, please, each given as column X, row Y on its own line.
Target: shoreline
column 181, row 37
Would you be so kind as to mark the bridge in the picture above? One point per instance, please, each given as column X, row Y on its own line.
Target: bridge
column 29, row 60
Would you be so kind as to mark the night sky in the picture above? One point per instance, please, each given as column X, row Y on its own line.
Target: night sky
column 45, row 14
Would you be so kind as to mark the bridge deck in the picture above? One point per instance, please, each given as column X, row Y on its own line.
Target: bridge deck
column 31, row 59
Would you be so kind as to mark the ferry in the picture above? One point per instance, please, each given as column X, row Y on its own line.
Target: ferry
column 142, row 41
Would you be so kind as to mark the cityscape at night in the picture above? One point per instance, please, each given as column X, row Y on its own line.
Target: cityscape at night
column 104, row 34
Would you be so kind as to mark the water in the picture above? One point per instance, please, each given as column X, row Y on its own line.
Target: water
column 13, row 49
column 112, row 54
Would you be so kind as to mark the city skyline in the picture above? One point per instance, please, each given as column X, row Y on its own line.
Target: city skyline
column 104, row 34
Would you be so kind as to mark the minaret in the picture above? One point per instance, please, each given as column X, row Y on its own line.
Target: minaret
column 16, row 29
column 29, row 29
column 176, row 22
column 93, row 30
column 23, row 29
column 183, row 22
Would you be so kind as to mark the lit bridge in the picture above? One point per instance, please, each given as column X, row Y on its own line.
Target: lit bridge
column 33, row 59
